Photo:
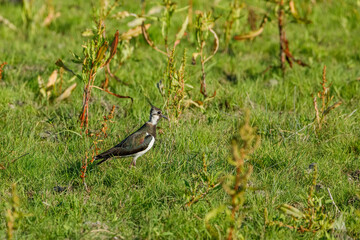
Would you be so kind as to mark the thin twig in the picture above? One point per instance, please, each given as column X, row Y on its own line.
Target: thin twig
column 115, row 77
column 111, row 93
column 14, row 160
column 216, row 45
column 317, row 116
column 148, row 40
column 350, row 114
column 332, row 199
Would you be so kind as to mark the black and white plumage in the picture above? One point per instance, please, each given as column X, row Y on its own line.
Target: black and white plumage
column 136, row 144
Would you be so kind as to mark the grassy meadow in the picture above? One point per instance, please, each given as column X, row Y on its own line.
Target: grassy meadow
column 42, row 147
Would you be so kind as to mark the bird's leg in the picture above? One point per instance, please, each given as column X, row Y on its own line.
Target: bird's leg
column 133, row 163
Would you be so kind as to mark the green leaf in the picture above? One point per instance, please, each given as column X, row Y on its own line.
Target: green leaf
column 290, row 210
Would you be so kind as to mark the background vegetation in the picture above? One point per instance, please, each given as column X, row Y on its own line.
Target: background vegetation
column 302, row 180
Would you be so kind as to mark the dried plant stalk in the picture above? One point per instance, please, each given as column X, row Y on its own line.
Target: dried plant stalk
column 1, row 69
column 98, row 137
column 285, row 54
column 282, row 37
column 326, row 108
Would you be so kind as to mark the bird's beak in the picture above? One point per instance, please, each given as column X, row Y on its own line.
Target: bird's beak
column 163, row 116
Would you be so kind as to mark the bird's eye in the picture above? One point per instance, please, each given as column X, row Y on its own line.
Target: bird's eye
column 159, row 112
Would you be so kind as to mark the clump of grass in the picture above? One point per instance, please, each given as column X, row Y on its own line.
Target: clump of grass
column 312, row 219
column 326, row 99
column 243, row 145
column 205, row 182
column 203, row 27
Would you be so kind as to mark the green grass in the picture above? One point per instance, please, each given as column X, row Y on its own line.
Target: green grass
column 147, row 202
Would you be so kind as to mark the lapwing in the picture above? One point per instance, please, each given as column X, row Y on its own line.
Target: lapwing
column 138, row 143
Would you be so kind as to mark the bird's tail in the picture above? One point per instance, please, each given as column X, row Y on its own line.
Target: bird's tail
column 103, row 159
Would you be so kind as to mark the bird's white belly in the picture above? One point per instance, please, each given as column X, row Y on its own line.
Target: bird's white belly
column 147, row 149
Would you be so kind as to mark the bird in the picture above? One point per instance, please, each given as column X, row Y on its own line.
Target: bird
column 138, row 143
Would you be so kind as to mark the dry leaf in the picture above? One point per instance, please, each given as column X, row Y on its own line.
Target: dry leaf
column 134, row 32
column 113, row 47
column 181, row 33
column 155, row 10
column 51, row 17
column 295, row 13
column 66, row 93
column 335, row 105
column 52, row 79
column 136, row 22
column 252, row 34
column 194, row 56
column 7, row 23
column 121, row 15
column 189, row 102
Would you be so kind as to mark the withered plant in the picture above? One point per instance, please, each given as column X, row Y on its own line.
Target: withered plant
column 203, row 27
column 313, row 218
column 285, row 8
column 204, row 183
column 97, row 54
column 285, row 54
column 97, row 136
column 326, row 100
column 235, row 185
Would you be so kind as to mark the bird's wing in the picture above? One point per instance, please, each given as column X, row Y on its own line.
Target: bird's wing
column 133, row 144
column 135, row 139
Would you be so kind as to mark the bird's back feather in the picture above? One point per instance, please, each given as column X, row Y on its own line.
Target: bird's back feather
column 136, row 142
